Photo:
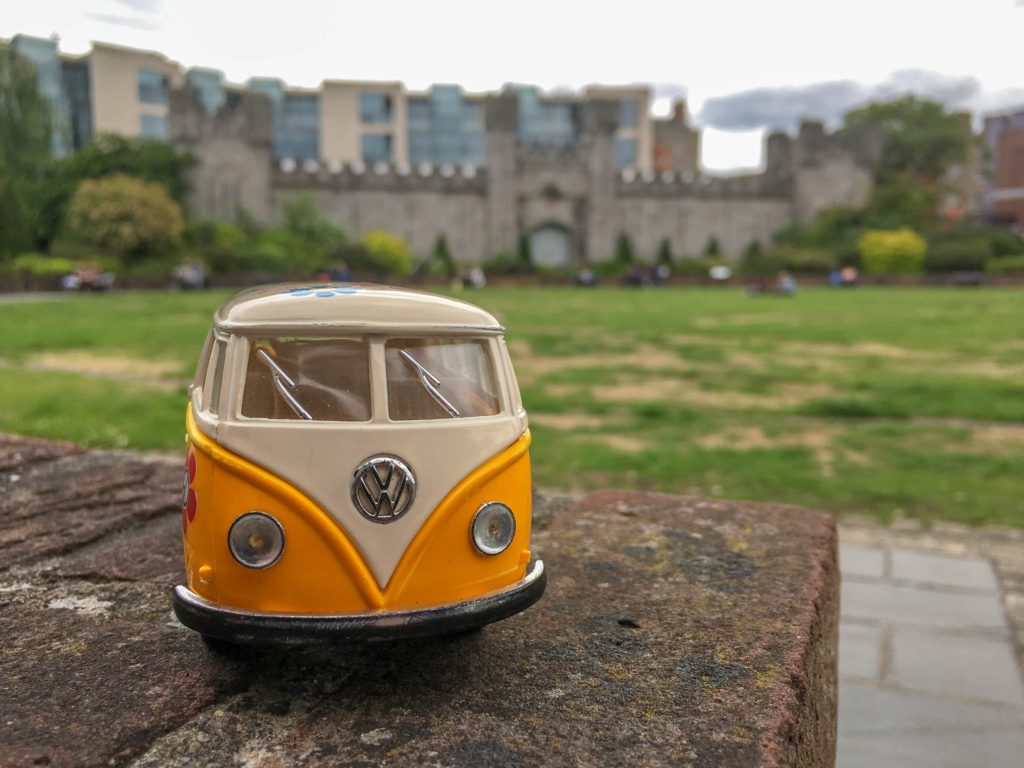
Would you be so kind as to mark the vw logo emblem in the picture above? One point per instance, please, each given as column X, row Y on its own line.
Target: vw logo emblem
column 383, row 488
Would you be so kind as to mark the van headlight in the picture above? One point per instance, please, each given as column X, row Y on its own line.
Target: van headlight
column 256, row 540
column 493, row 527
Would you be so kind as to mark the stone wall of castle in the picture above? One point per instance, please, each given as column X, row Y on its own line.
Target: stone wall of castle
column 576, row 195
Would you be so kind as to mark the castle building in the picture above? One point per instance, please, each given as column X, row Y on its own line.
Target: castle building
column 567, row 172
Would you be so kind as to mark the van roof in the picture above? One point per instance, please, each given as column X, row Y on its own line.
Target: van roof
column 349, row 306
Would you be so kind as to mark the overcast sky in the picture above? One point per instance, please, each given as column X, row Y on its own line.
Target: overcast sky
column 743, row 65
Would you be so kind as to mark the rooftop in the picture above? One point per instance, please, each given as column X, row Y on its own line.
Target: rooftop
column 350, row 306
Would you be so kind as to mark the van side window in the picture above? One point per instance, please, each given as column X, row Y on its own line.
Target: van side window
column 220, row 350
column 204, row 362
column 312, row 379
column 440, row 379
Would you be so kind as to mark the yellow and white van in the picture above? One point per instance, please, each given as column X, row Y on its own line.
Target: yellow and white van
column 357, row 467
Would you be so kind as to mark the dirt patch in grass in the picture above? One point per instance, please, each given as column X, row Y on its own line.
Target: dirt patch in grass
column 531, row 367
column 860, row 349
column 817, row 363
column 988, row 369
column 568, row 421
column 160, row 374
column 749, row 360
column 765, row 319
column 686, row 392
column 999, row 439
column 623, row 443
column 819, row 441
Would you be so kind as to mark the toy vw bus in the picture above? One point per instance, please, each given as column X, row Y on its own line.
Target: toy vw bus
column 357, row 467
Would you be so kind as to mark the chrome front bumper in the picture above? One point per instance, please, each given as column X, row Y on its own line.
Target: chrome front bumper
column 225, row 623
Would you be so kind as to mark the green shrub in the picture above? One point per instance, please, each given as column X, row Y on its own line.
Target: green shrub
column 689, row 266
column 1005, row 243
column 959, row 255
column 1006, row 265
column 389, row 253
column 805, row 260
column 505, row 263
column 316, row 233
column 41, row 265
column 755, row 262
column 891, row 251
column 125, row 216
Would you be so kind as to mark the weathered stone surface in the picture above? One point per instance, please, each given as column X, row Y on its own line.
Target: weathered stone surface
column 48, row 507
column 149, row 551
column 17, row 452
column 89, row 675
column 675, row 631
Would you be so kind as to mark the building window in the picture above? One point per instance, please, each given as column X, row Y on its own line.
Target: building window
column 299, row 137
column 152, row 87
column 627, row 113
column 153, row 127
column 376, row 148
column 375, row 107
column 625, row 152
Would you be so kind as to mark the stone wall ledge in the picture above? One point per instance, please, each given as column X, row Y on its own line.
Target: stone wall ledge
column 675, row 631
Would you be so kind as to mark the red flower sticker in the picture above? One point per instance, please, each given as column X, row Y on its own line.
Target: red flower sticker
column 189, row 500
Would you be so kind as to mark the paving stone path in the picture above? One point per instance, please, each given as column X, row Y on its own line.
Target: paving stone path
column 930, row 647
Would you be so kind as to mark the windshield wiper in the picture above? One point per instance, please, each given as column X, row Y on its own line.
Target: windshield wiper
column 430, row 383
column 283, row 383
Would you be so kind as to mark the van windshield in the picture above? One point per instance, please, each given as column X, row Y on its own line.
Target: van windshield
column 308, row 379
column 440, row 379
column 328, row 379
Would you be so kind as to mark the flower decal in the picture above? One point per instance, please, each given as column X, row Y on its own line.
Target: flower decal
column 323, row 291
column 189, row 499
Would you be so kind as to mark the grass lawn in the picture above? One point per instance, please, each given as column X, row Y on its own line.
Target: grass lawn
column 877, row 401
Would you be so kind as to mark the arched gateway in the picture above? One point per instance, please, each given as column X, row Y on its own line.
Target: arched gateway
column 551, row 246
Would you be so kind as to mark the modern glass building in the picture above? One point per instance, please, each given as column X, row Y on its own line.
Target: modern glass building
column 553, row 123
column 127, row 91
column 296, row 119
column 78, row 90
column 446, row 128
column 44, row 57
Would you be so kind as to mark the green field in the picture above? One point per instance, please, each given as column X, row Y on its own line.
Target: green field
column 878, row 401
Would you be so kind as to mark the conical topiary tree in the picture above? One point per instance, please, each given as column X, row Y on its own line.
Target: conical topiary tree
column 665, row 252
column 624, row 249
column 442, row 256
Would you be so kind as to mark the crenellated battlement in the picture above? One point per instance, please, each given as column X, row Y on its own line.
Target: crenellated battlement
column 632, row 183
column 385, row 177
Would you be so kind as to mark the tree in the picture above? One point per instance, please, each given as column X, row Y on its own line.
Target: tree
column 109, row 155
column 920, row 138
column 125, row 216
column 25, row 145
column 665, row 252
column 623, row 249
column 304, row 222
column 389, row 252
column 891, row 252
column 921, row 141
column 523, row 253
column 442, row 257
column 712, row 250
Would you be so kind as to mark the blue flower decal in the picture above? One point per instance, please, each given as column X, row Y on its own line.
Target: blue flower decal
column 322, row 291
